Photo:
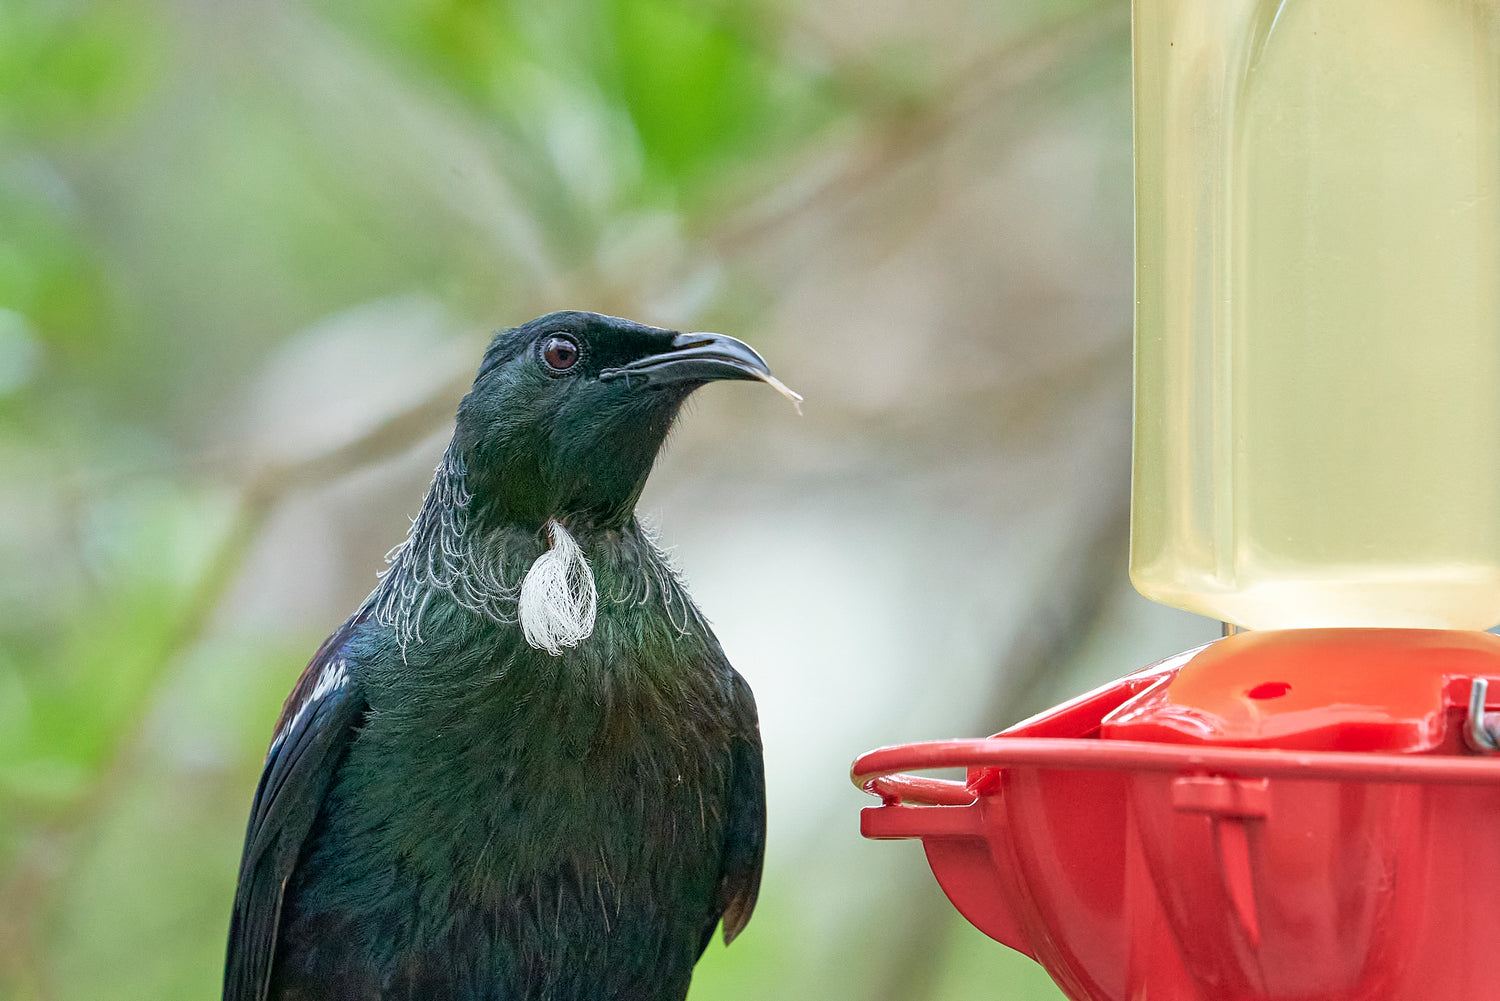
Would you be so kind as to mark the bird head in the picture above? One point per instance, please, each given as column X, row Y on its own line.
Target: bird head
column 568, row 412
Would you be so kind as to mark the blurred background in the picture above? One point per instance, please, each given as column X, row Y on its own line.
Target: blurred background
column 249, row 256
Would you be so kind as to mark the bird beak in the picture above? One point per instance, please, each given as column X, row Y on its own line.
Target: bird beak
column 702, row 357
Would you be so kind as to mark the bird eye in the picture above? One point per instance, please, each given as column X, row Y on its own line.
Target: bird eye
column 560, row 353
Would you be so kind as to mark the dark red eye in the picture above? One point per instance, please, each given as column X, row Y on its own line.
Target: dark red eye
column 560, row 353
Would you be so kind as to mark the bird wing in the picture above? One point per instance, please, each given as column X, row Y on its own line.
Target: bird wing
column 316, row 725
column 745, row 832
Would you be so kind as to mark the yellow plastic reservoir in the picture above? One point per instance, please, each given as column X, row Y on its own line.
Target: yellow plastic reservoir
column 1317, row 369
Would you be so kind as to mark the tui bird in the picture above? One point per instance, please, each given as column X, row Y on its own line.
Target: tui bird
column 523, row 769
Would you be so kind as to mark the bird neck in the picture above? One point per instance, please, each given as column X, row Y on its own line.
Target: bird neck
column 446, row 554
column 469, row 558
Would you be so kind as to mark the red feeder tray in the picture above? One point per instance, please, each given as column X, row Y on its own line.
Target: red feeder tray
column 1278, row 815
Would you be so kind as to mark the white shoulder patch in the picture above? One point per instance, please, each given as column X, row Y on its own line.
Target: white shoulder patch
column 558, row 600
column 333, row 678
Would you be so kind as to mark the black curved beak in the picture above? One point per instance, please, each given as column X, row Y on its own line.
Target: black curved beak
column 696, row 358
column 701, row 357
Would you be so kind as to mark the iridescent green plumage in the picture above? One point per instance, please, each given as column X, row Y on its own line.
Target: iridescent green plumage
column 451, row 812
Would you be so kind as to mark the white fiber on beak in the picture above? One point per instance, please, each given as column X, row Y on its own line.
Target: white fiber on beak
column 558, row 599
column 782, row 388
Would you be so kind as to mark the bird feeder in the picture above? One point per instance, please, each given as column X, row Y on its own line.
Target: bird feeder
column 1306, row 809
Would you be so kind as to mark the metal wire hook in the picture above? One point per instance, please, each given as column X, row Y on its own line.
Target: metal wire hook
column 1479, row 727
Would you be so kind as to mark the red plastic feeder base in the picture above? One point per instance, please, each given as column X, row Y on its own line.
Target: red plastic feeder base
column 1278, row 815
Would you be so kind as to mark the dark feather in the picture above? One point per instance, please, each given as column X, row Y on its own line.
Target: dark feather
column 315, row 728
column 745, row 838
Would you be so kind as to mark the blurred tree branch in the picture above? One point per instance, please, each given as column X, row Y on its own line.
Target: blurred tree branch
column 843, row 168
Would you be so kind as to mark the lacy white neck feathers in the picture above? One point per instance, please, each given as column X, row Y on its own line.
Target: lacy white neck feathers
column 439, row 555
column 555, row 603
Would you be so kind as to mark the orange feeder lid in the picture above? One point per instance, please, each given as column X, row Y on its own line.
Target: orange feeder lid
column 1398, row 690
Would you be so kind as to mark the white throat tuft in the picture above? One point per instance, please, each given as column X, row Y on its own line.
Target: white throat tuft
column 558, row 600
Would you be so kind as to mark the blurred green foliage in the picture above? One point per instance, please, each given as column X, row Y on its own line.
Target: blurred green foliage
column 183, row 187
